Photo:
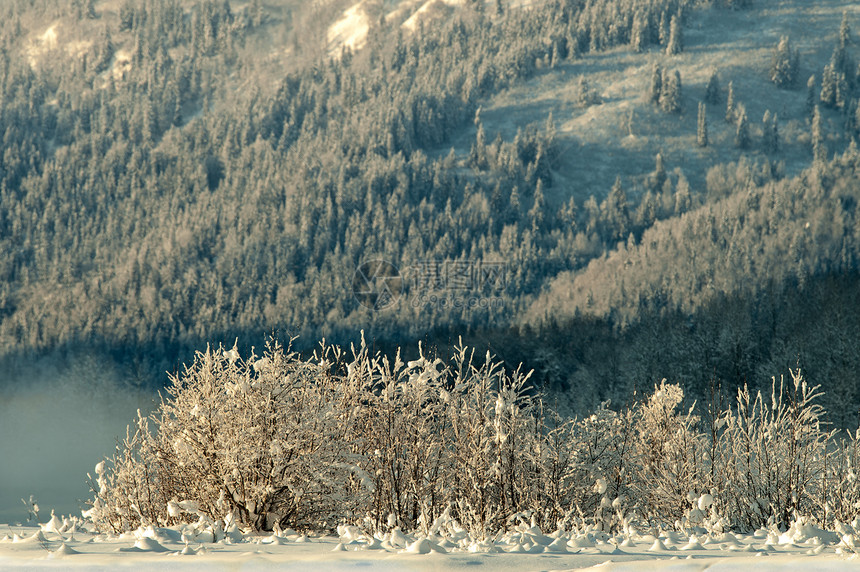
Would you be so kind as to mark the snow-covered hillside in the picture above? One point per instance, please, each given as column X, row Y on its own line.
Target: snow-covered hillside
column 351, row 28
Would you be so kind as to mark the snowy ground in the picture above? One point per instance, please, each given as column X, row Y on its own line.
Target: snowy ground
column 192, row 547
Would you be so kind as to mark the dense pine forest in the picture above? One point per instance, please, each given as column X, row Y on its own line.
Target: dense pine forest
column 177, row 172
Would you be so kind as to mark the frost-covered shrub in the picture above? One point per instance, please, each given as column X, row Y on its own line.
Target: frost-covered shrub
column 669, row 457
column 250, row 438
column 496, row 442
column 599, row 474
column 396, row 438
column 776, row 454
column 315, row 442
column 131, row 490
column 838, row 499
column 354, row 438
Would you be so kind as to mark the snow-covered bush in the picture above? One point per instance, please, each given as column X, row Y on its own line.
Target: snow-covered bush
column 314, row 442
column 776, row 454
column 351, row 438
column 838, row 500
column 253, row 438
column 397, row 437
column 131, row 491
column 669, row 447
column 494, row 439
column 597, row 477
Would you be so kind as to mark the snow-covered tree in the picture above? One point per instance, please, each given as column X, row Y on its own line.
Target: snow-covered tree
column 670, row 96
column 731, row 112
column 829, row 86
column 655, row 85
column 742, row 130
column 810, row 96
column 702, row 125
column 639, row 33
column 675, row 44
column 777, row 453
column 819, row 151
column 669, row 455
column 712, row 89
column 784, row 64
column 770, row 132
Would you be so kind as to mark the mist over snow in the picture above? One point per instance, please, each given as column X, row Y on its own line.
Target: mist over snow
column 56, row 421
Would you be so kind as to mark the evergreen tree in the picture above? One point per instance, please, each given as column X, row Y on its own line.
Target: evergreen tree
column 658, row 177
column 646, row 214
column 655, row 86
column 586, row 95
column 683, row 198
column 702, row 126
column 770, row 137
column 819, row 151
column 258, row 16
column 841, row 60
column 639, row 33
column 478, row 152
column 731, row 112
column 784, row 64
column 828, row 87
column 712, row 90
column 742, row 132
column 850, row 119
column 514, row 204
column 663, row 31
column 842, row 91
column 568, row 214
column 536, row 213
column 844, row 31
column 670, row 98
column 616, row 212
column 126, row 15
column 676, row 38
column 856, row 130
column 810, row 96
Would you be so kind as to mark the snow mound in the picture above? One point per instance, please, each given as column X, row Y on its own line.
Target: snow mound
column 581, row 542
column 802, row 531
column 398, row 540
column 658, row 546
column 37, row 538
column 693, row 544
column 55, row 525
column 420, row 546
column 276, row 540
column 63, row 550
column 145, row 544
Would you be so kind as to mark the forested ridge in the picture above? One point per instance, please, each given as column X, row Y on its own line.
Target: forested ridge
column 160, row 189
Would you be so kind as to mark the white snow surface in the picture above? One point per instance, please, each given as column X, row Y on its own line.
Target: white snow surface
column 201, row 546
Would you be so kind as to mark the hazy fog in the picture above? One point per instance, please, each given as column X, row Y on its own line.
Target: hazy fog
column 56, row 421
